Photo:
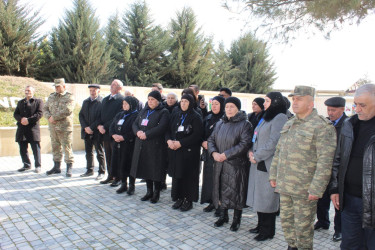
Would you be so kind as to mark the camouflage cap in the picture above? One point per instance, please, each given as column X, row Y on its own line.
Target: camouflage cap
column 303, row 91
column 59, row 82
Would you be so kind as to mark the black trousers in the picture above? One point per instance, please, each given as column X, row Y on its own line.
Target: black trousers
column 108, row 147
column 267, row 223
column 322, row 212
column 90, row 143
column 35, row 147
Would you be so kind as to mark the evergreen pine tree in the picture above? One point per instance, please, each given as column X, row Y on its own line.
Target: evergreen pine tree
column 145, row 46
column 79, row 48
column 18, row 38
column 223, row 70
column 254, row 70
column 116, row 43
column 190, row 61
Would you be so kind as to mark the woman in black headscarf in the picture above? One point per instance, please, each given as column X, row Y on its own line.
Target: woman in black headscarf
column 184, row 138
column 216, row 113
column 122, row 133
column 149, row 158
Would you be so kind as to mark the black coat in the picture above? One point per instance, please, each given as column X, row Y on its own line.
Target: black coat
column 232, row 137
column 89, row 115
column 340, row 166
column 149, row 158
column 110, row 108
column 208, row 168
column 33, row 111
column 126, row 147
column 186, row 159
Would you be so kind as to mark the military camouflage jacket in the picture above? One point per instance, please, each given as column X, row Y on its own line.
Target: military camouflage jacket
column 60, row 107
column 303, row 159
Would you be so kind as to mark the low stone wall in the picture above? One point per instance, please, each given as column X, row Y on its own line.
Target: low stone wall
column 8, row 146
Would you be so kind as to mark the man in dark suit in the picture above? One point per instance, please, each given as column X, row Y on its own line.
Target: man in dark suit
column 111, row 105
column 28, row 113
column 89, row 117
column 336, row 114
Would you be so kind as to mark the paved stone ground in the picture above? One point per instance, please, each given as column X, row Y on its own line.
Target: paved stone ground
column 40, row 212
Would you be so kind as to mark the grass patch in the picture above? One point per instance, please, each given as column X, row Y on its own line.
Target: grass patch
column 12, row 86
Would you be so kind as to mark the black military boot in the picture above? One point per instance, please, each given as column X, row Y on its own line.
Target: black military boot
column 223, row 218
column 131, row 186
column 123, row 188
column 69, row 167
column 56, row 169
column 236, row 220
column 150, row 191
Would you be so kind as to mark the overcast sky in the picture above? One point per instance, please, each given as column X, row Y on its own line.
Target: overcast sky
column 325, row 64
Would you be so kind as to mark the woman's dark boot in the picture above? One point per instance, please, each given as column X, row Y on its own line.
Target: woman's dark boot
column 217, row 212
column 223, row 218
column 186, row 206
column 150, row 191
column 256, row 230
column 123, row 188
column 178, row 204
column 236, row 220
column 131, row 188
column 209, row 208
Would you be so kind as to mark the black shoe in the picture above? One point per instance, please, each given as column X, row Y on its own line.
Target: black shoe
column 254, row 230
column 88, row 173
column 69, row 167
column 55, row 170
column 186, row 206
column 155, row 196
column 223, row 218
column 178, row 204
column 143, row 180
column 236, row 220
column 99, row 177
column 209, row 208
column 147, row 196
column 115, row 183
column 38, row 170
column 292, row 248
column 23, row 169
column 319, row 226
column 262, row 237
column 123, row 188
column 131, row 189
column 217, row 212
column 337, row 236
column 108, row 180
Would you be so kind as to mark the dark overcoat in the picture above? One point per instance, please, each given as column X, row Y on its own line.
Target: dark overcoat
column 149, row 158
column 89, row 115
column 110, row 108
column 233, row 138
column 33, row 111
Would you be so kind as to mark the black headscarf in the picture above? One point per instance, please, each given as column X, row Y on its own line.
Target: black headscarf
column 133, row 103
column 190, row 98
column 221, row 100
column 276, row 107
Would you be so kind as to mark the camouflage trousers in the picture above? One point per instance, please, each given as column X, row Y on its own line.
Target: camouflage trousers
column 297, row 220
column 62, row 140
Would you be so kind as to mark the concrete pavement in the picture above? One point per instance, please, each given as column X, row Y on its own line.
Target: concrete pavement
column 54, row 212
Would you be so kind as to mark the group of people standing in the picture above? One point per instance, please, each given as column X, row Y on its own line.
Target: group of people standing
column 269, row 160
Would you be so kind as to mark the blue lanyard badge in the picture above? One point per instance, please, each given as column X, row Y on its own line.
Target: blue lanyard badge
column 256, row 132
column 120, row 122
column 145, row 121
column 181, row 127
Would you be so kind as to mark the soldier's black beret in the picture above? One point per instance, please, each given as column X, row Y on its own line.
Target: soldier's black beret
column 94, row 86
column 335, row 102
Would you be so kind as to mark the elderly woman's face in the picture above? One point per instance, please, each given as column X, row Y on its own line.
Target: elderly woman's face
column 230, row 110
column 215, row 107
column 184, row 104
column 152, row 102
column 171, row 100
column 125, row 106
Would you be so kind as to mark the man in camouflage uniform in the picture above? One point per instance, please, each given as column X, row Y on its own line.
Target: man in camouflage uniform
column 59, row 112
column 301, row 167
